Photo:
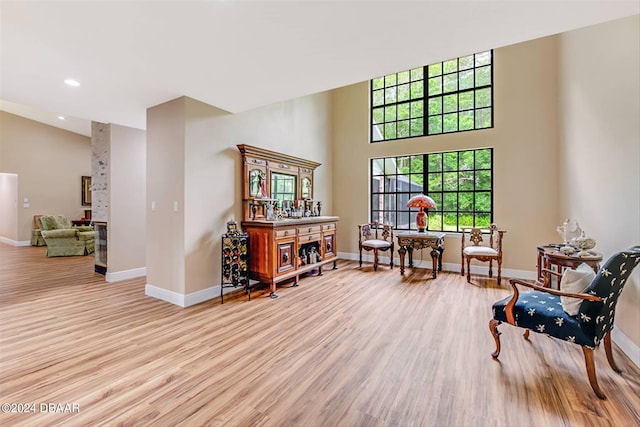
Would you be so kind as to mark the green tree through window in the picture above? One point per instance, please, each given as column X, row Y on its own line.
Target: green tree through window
column 460, row 182
column 451, row 96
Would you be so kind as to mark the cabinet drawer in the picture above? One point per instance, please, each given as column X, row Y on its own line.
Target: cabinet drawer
column 308, row 229
column 327, row 227
column 288, row 232
column 309, row 238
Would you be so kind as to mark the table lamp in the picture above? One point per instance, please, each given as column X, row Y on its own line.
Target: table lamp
column 423, row 202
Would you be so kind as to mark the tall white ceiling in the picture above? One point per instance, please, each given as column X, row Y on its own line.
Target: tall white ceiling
column 238, row 55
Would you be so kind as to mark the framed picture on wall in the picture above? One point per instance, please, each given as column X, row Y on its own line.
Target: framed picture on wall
column 86, row 191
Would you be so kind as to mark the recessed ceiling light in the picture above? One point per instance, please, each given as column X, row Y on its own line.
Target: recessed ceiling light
column 72, row 82
column 61, row 117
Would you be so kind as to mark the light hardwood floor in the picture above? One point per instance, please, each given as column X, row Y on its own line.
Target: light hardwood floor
column 353, row 347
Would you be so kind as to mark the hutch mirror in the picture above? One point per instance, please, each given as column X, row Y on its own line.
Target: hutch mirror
column 272, row 176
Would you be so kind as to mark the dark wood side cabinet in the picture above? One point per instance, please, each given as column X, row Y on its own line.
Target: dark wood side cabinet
column 281, row 250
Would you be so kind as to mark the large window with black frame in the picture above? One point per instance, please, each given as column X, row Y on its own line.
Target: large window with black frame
column 460, row 182
column 450, row 96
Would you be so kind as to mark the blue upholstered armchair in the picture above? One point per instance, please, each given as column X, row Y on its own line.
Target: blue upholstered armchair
column 540, row 310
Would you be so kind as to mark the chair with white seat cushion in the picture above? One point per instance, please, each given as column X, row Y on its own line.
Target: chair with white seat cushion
column 375, row 237
column 475, row 249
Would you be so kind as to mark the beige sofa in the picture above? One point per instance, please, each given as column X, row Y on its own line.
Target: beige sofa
column 62, row 239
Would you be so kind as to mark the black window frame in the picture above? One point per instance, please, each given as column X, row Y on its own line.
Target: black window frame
column 400, row 108
column 393, row 189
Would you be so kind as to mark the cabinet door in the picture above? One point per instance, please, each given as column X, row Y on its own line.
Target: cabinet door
column 286, row 259
column 328, row 245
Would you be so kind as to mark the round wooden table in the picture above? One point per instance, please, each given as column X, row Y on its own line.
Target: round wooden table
column 550, row 255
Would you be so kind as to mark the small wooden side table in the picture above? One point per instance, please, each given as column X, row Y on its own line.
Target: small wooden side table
column 410, row 240
column 549, row 255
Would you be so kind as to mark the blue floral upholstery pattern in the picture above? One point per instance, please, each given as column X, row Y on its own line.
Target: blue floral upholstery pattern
column 543, row 313
column 596, row 318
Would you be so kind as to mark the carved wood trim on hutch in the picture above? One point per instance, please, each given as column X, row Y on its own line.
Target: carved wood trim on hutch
column 267, row 161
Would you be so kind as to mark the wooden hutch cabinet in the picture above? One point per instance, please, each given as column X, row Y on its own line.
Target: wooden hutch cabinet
column 287, row 234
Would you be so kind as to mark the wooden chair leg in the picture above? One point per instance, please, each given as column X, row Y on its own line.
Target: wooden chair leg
column 499, row 271
column 493, row 327
column 468, row 270
column 360, row 257
column 526, row 334
column 462, row 266
column 375, row 260
column 591, row 372
column 490, row 268
column 609, row 352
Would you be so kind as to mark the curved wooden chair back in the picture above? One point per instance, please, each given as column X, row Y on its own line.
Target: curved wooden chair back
column 376, row 237
column 479, row 249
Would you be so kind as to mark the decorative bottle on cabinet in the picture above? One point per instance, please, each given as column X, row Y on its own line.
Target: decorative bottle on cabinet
column 235, row 260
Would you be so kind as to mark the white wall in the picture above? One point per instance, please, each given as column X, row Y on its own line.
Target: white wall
column 165, row 185
column 49, row 162
column 9, row 206
column 600, row 144
column 192, row 158
column 524, row 138
column 213, row 175
column 127, row 219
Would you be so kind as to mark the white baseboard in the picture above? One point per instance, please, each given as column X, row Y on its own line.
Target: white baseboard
column 627, row 346
column 201, row 296
column 164, row 295
column 126, row 274
column 446, row 266
column 183, row 300
column 15, row 242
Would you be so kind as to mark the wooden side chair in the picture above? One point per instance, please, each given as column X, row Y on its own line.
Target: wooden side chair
column 542, row 310
column 375, row 237
column 476, row 249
